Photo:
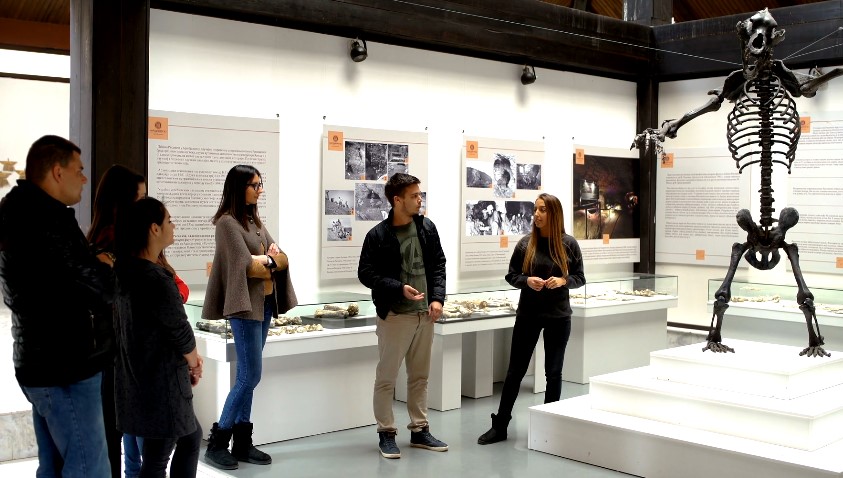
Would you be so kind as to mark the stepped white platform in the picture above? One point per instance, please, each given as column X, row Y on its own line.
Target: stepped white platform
column 763, row 411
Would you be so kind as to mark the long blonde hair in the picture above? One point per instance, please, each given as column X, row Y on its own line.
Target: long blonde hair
column 556, row 224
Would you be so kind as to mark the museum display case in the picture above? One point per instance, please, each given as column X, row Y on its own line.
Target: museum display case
column 321, row 312
column 497, row 299
column 777, row 297
column 624, row 289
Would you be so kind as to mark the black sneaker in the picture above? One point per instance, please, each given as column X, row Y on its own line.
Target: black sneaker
column 424, row 439
column 387, row 445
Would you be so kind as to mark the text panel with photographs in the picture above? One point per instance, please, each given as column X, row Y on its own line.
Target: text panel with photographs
column 356, row 163
column 605, row 205
column 501, row 179
column 189, row 158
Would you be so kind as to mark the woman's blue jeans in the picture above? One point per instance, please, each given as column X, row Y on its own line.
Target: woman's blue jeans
column 249, row 339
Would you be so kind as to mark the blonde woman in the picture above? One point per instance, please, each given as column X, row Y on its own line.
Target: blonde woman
column 545, row 264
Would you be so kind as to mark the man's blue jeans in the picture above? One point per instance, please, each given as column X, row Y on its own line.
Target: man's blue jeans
column 69, row 430
column 249, row 339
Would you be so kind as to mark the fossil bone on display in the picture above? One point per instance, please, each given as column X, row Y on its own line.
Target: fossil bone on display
column 337, row 312
column 763, row 128
column 213, row 326
column 283, row 320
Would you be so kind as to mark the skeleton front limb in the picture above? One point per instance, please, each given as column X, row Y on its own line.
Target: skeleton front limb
column 652, row 137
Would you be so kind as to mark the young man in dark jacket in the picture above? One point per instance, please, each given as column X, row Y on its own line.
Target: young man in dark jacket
column 51, row 282
column 403, row 263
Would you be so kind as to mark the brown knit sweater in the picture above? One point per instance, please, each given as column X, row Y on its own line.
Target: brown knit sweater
column 232, row 290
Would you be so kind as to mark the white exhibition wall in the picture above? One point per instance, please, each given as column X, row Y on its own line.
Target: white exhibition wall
column 306, row 80
column 709, row 131
column 30, row 109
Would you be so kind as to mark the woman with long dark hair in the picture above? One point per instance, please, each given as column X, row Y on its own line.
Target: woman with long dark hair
column 157, row 361
column 248, row 285
column 545, row 264
column 118, row 188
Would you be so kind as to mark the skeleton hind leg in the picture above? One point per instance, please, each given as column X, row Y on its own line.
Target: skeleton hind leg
column 805, row 299
column 721, row 302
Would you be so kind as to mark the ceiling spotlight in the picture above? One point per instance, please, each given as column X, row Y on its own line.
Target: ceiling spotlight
column 358, row 51
column 528, row 76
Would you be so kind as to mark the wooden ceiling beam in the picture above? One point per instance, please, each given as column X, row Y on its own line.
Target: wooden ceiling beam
column 706, row 48
column 34, row 36
column 515, row 31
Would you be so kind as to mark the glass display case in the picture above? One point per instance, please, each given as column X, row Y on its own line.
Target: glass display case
column 778, row 297
column 601, row 291
column 499, row 298
column 318, row 313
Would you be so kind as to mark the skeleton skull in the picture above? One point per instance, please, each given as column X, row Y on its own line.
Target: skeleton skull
column 758, row 34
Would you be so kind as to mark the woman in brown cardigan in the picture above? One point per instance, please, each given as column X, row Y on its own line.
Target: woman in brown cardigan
column 248, row 285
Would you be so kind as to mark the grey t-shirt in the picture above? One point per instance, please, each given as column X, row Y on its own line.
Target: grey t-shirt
column 412, row 268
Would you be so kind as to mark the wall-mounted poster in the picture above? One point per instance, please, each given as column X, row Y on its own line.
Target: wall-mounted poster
column 698, row 193
column 356, row 163
column 815, row 188
column 605, row 210
column 501, row 179
column 189, row 157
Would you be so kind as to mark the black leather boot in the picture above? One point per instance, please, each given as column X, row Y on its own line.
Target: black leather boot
column 217, row 454
column 497, row 432
column 243, row 450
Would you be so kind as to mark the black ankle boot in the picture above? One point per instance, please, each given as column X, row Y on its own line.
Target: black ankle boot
column 497, row 432
column 243, row 450
column 217, row 454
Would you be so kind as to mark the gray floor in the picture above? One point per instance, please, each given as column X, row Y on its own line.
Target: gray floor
column 353, row 453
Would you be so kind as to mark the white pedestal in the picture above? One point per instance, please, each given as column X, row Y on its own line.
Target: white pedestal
column 447, row 376
column 611, row 338
column 696, row 414
column 312, row 383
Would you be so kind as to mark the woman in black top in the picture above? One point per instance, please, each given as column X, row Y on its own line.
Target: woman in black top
column 157, row 361
column 544, row 265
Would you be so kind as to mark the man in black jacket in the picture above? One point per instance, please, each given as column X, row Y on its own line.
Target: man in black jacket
column 51, row 282
column 403, row 263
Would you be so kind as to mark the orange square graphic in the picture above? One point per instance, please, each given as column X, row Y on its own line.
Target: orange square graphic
column 840, row 263
column 471, row 148
column 606, row 238
column 504, row 243
column 805, row 124
column 208, row 268
column 580, row 156
column 667, row 160
column 335, row 141
column 700, row 254
column 158, row 128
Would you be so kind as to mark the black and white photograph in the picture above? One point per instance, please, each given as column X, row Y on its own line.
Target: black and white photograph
column 518, row 217
column 339, row 202
column 478, row 174
column 339, row 228
column 529, row 176
column 355, row 160
column 397, row 153
column 370, row 202
column 484, row 218
column 423, row 209
column 503, row 170
column 606, row 198
column 396, row 167
column 376, row 161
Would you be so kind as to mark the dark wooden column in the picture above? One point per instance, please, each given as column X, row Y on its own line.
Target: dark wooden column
column 648, row 12
column 648, row 110
column 109, row 87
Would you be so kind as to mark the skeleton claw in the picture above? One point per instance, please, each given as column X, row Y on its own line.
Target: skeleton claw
column 718, row 348
column 816, row 351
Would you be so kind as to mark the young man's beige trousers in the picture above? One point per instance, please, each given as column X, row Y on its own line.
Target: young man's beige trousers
column 407, row 337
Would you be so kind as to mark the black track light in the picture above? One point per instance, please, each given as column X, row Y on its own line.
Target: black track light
column 528, row 75
column 358, row 50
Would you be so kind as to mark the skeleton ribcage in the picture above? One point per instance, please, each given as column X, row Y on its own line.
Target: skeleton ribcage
column 763, row 127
